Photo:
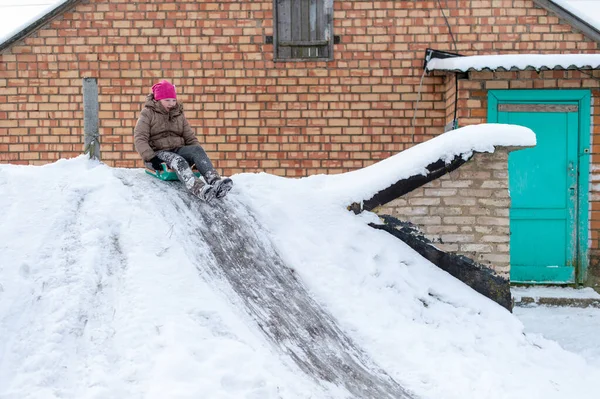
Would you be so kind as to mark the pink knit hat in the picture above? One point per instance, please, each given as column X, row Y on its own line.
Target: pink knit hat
column 163, row 90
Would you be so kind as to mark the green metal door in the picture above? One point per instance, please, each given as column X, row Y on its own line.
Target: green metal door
column 543, row 189
column 549, row 184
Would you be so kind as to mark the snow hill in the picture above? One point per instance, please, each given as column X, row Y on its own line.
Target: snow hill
column 116, row 285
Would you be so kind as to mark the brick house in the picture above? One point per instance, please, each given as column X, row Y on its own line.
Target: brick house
column 300, row 87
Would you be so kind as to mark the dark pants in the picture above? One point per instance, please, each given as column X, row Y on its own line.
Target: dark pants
column 180, row 160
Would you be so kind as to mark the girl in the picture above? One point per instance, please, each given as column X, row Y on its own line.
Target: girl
column 163, row 134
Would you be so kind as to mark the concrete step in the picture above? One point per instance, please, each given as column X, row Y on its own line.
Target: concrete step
column 555, row 296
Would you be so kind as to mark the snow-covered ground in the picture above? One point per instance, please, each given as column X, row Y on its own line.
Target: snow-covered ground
column 100, row 298
column 104, row 294
column 574, row 329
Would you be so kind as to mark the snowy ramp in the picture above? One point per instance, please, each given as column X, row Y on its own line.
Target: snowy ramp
column 275, row 299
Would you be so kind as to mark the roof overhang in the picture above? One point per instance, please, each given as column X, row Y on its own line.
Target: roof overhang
column 39, row 21
column 514, row 62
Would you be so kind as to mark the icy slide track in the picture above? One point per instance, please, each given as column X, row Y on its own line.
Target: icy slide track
column 277, row 301
column 92, row 304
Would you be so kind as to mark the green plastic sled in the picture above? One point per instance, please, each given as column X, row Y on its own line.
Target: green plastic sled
column 166, row 173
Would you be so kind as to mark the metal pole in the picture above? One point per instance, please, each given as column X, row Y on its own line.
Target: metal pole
column 90, row 118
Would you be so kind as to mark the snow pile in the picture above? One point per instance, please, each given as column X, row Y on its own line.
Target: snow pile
column 99, row 297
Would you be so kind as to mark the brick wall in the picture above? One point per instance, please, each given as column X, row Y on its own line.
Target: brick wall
column 465, row 211
column 291, row 119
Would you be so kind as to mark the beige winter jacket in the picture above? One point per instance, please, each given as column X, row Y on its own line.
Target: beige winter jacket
column 157, row 129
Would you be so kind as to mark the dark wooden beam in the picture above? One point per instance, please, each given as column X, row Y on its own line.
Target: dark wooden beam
column 404, row 186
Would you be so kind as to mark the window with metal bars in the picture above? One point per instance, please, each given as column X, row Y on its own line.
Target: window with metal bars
column 303, row 30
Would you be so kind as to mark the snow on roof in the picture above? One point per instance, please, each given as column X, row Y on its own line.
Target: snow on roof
column 586, row 10
column 515, row 62
column 18, row 20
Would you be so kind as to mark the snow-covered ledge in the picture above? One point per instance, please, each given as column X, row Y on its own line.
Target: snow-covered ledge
column 363, row 184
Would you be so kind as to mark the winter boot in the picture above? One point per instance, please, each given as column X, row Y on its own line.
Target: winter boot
column 204, row 191
column 220, row 185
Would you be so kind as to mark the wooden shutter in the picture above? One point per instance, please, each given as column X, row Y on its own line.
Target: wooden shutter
column 303, row 29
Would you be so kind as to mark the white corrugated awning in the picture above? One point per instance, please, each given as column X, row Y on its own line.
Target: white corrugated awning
column 515, row 62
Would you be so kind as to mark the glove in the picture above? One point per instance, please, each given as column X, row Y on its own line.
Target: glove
column 156, row 163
